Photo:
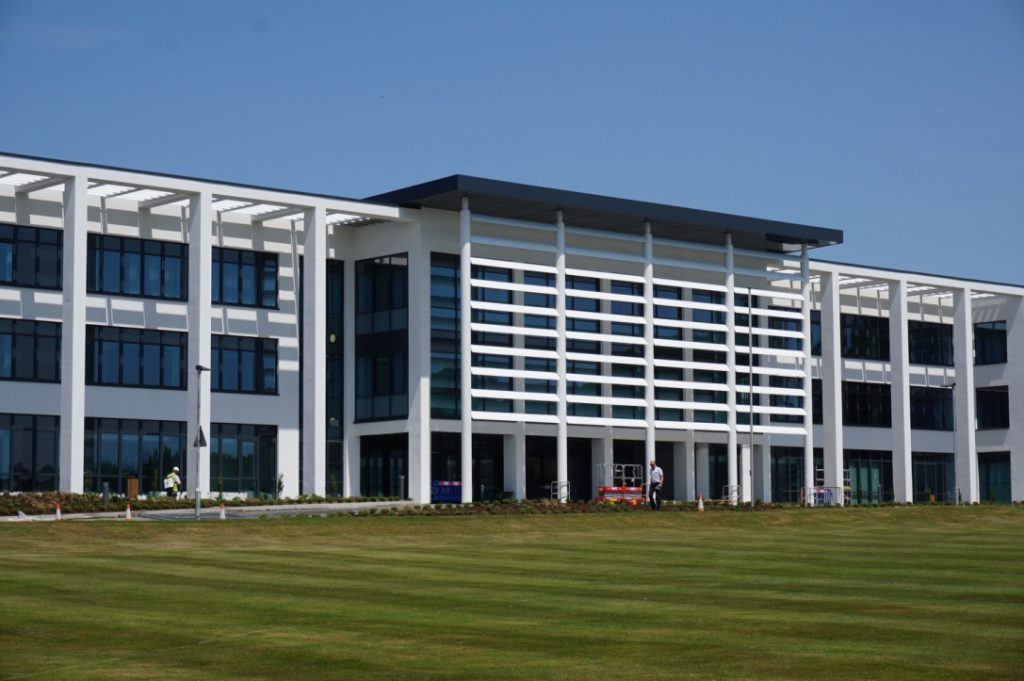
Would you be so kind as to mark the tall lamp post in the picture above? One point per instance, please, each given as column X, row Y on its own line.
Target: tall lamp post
column 200, row 440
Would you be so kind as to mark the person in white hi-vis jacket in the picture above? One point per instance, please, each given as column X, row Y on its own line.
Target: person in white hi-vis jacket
column 654, row 489
column 172, row 483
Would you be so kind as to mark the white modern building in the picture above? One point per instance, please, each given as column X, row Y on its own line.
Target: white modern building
column 513, row 339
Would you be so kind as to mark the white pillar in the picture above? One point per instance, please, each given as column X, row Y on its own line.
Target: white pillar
column 963, row 397
column 650, row 437
column 72, row 353
column 899, row 358
column 746, row 474
column 808, row 382
column 764, row 456
column 419, row 371
column 515, row 461
column 730, row 340
column 314, row 356
column 831, row 380
column 603, row 456
column 350, row 486
column 200, row 267
column 562, row 451
column 465, row 349
column 701, row 471
column 685, row 485
column 1015, row 378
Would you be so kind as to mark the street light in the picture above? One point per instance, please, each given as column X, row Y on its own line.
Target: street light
column 200, row 440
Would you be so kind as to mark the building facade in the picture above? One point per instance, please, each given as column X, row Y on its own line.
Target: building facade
column 517, row 341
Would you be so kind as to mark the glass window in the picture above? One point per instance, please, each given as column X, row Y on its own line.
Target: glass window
column 31, row 256
column 118, row 450
column 244, row 278
column 990, row 343
column 243, row 459
column 992, row 407
column 29, row 350
column 930, row 343
column 136, row 267
column 243, row 364
column 931, row 408
column 119, row 356
column 867, row 404
column 381, row 338
column 865, row 337
column 29, row 447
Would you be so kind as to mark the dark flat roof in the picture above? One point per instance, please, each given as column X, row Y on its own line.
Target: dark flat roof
column 538, row 204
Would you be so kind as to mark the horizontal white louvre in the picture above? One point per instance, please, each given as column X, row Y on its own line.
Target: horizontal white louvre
column 660, row 281
column 605, row 380
column 683, row 324
column 604, row 317
column 692, row 425
column 513, row 395
column 690, row 304
column 598, row 421
column 699, row 406
column 767, row 274
column 689, row 265
column 693, row 345
column 516, row 418
column 508, row 307
column 691, row 385
column 513, row 286
column 587, row 357
column 516, row 330
column 602, row 234
column 514, row 352
column 601, row 295
column 513, row 265
column 610, row 401
column 605, row 337
column 515, row 373
column 679, row 364
column 780, row 430
column 594, row 274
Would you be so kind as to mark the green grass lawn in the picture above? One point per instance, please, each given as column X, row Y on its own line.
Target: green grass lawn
column 865, row 593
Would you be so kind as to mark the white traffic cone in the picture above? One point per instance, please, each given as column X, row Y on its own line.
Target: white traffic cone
column 58, row 512
column 700, row 503
column 223, row 516
column 128, row 512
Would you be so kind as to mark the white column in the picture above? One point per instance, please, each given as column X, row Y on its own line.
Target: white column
column 515, row 461
column 603, row 455
column 746, row 474
column 701, row 471
column 831, row 380
column 350, row 486
column 465, row 349
column 685, row 486
column 314, row 354
column 419, row 371
column 650, row 438
column 72, row 352
column 963, row 397
column 200, row 266
column 808, row 383
column 562, row 452
column 1015, row 379
column 730, row 340
column 764, row 456
column 899, row 358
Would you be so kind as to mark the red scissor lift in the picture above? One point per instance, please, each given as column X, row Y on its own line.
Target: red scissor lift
column 627, row 483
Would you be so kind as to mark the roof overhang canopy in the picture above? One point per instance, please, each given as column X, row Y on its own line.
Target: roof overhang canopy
column 592, row 211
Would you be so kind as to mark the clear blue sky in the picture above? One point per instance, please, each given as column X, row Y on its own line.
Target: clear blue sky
column 901, row 123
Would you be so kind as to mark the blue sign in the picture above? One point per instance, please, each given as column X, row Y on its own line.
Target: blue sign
column 446, row 491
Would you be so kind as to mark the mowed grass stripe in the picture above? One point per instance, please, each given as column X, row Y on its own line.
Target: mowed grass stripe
column 793, row 594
